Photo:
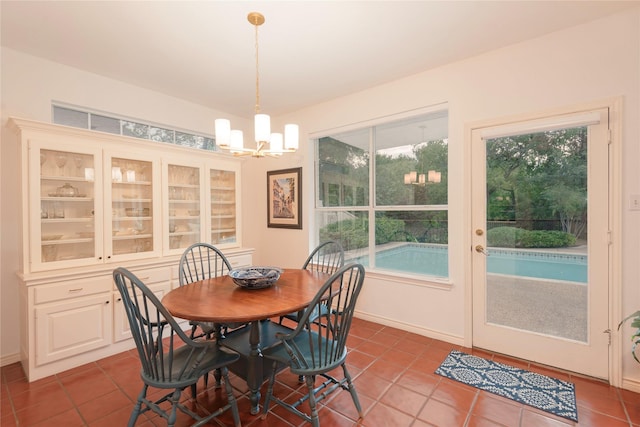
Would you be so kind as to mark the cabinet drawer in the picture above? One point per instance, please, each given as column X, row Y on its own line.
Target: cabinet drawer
column 72, row 289
column 153, row 275
column 238, row 261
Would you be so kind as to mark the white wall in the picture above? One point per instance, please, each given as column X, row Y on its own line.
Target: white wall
column 584, row 64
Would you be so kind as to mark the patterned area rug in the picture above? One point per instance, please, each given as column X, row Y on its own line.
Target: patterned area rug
column 545, row 393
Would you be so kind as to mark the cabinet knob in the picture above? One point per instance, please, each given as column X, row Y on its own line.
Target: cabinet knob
column 107, row 302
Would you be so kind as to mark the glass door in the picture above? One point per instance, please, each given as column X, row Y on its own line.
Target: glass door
column 131, row 194
column 540, row 244
column 184, row 188
column 65, row 207
column 223, row 207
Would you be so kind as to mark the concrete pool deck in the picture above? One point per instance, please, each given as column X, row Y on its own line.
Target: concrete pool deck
column 549, row 307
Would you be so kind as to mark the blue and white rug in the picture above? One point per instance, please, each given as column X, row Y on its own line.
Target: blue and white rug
column 545, row 393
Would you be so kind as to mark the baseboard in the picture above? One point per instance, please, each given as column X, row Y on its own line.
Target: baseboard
column 9, row 359
column 453, row 339
column 631, row 384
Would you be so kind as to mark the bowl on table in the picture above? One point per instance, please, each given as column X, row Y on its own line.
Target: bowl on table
column 255, row 277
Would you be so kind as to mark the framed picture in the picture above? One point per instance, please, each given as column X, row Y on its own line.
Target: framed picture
column 284, row 198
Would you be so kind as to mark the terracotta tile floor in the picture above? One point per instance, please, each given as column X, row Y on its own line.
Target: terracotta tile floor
column 393, row 373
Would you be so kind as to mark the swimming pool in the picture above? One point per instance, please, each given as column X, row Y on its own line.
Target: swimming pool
column 433, row 260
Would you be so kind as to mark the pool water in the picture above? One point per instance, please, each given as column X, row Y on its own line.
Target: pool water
column 433, row 261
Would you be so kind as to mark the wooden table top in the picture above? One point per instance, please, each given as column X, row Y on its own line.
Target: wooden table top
column 222, row 301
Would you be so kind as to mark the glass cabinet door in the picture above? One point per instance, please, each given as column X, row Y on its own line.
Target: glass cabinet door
column 223, row 207
column 132, row 207
column 67, row 207
column 184, row 196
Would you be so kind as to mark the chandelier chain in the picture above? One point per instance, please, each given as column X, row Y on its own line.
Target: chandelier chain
column 257, row 110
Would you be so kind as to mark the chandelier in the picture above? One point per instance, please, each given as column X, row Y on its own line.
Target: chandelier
column 267, row 143
column 432, row 177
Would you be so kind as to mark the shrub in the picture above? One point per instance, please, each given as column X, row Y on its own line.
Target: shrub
column 547, row 239
column 354, row 233
column 508, row 237
column 513, row 237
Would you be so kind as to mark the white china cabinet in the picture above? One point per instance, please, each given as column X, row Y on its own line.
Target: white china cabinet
column 91, row 202
column 202, row 203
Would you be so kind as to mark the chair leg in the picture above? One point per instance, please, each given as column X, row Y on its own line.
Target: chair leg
column 175, row 399
column 138, row 407
column 217, row 376
column 230, row 397
column 267, row 398
column 352, row 389
column 315, row 421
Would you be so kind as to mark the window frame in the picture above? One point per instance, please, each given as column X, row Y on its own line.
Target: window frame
column 373, row 208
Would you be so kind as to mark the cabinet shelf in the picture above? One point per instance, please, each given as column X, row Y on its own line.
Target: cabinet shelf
column 67, row 241
column 184, row 233
column 131, row 200
column 222, row 189
column 184, row 202
column 63, row 178
column 222, row 230
column 131, row 236
column 125, row 183
column 65, row 220
column 66, row 199
column 178, row 185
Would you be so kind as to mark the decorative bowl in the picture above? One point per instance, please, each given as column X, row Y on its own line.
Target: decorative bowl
column 137, row 211
column 67, row 190
column 255, row 277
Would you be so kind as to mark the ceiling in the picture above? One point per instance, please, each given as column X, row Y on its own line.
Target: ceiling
column 310, row 51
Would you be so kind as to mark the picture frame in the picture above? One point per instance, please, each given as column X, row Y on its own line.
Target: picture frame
column 284, row 198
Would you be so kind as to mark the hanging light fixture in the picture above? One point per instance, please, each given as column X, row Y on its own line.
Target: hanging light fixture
column 413, row 177
column 267, row 143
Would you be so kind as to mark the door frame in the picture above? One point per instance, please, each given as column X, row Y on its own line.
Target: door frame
column 615, row 219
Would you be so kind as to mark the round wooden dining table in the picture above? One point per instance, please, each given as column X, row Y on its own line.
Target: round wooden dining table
column 220, row 300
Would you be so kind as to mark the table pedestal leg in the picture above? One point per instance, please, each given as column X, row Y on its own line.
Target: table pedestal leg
column 254, row 369
column 217, row 374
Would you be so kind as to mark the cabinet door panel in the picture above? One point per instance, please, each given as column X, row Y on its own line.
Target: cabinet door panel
column 132, row 223
column 65, row 209
column 73, row 327
column 121, row 328
column 223, row 207
column 183, row 183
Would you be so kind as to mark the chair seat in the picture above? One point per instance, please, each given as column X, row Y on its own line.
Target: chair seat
column 318, row 312
column 213, row 359
column 310, row 349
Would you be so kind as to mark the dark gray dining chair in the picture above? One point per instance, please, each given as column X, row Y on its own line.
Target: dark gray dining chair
column 198, row 262
column 170, row 359
column 312, row 350
column 327, row 257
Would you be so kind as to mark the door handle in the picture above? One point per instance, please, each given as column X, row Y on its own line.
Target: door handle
column 480, row 250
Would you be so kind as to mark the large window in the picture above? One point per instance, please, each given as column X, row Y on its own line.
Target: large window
column 382, row 193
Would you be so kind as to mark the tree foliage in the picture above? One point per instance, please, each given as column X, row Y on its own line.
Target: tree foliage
column 539, row 177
